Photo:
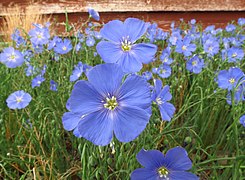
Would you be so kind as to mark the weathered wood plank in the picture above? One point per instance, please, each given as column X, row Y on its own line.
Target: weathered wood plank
column 59, row 6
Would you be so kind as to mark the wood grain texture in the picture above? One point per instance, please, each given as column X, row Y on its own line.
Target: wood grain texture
column 72, row 6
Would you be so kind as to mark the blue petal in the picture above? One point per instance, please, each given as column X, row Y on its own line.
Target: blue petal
column 158, row 86
column 113, row 31
column 182, row 175
column 144, row 174
column 109, row 52
column 177, row 160
column 143, row 52
column 129, row 122
column 152, row 159
column 97, row 127
column 135, row 92
column 84, row 98
column 129, row 63
column 165, row 94
column 134, row 28
column 106, row 78
column 70, row 120
column 167, row 111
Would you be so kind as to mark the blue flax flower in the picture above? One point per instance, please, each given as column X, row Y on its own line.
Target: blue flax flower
column 11, row 58
column 37, row 81
column 157, row 166
column 121, row 47
column 211, row 46
column 185, row 47
column 228, row 79
column 235, row 54
column 164, row 71
column 39, row 35
column 161, row 96
column 242, row 120
column 195, row 64
column 53, row 85
column 103, row 106
column 77, row 72
column 241, row 21
column 18, row 100
column 63, row 47
column 94, row 14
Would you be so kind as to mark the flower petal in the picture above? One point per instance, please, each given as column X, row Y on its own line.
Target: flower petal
column 129, row 63
column 135, row 92
column 84, row 98
column 167, row 111
column 129, row 122
column 113, row 31
column 70, row 120
column 152, row 159
column 109, row 52
column 134, row 28
column 106, row 78
column 143, row 173
column 97, row 127
column 165, row 94
column 182, row 175
column 144, row 52
column 177, row 160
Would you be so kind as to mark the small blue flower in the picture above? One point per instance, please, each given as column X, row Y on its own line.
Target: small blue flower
column 37, row 81
column 242, row 120
column 161, row 96
column 19, row 40
column 94, row 14
column 11, row 58
column 164, row 71
column 53, row 85
column 121, row 47
column 239, row 94
column 195, row 64
column 147, row 75
column 90, row 41
column 39, row 35
column 235, row 54
column 185, row 47
column 18, row 100
column 103, row 106
column 77, row 72
column 157, row 166
column 63, row 47
column 165, row 57
column 211, row 46
column 228, row 79
column 241, row 21
column 230, row 28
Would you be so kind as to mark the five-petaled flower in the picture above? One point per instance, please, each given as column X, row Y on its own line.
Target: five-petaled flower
column 121, row 47
column 18, row 100
column 103, row 105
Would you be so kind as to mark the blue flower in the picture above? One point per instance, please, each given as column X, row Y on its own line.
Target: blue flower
column 211, row 46
column 11, row 58
column 94, row 14
column 165, row 57
column 195, row 65
column 235, row 54
column 18, row 100
column 90, row 41
column 121, row 47
column 172, row 166
column 239, row 94
column 19, row 40
column 103, row 106
column 229, row 79
column 241, row 21
column 147, row 75
column 164, row 71
column 53, row 85
column 242, row 120
column 39, row 35
column 37, row 81
column 185, row 47
column 63, row 47
column 161, row 96
column 230, row 28
column 77, row 72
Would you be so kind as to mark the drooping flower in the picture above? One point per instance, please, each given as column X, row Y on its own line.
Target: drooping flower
column 77, row 72
column 53, row 85
column 161, row 96
column 228, row 79
column 195, row 64
column 157, row 166
column 11, row 58
column 19, row 40
column 242, row 120
column 103, row 106
column 63, row 47
column 94, row 14
column 18, row 100
column 121, row 48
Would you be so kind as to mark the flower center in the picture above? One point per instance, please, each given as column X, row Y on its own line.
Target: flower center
column 159, row 101
column 232, row 80
column 184, row 48
column 12, row 57
column 64, row 48
column 163, row 172
column 126, row 44
column 111, row 103
column 39, row 36
column 210, row 48
column 18, row 99
column 234, row 55
column 194, row 63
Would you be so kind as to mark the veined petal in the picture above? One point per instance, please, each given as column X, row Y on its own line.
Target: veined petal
column 165, row 94
column 84, row 98
column 135, row 92
column 167, row 111
column 151, row 159
column 182, row 175
column 129, row 63
column 143, row 173
column 106, row 78
column 177, row 160
column 129, row 122
column 144, row 52
column 158, row 85
column 134, row 28
column 97, row 127
column 113, row 31
column 109, row 52
column 70, row 120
